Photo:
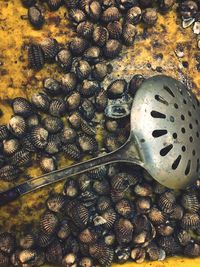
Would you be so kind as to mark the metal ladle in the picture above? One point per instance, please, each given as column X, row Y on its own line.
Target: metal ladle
column 164, row 139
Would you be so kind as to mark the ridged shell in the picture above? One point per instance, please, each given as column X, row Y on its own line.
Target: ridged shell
column 169, row 244
column 69, row 82
column 126, row 4
column 17, row 125
column 100, row 35
column 101, row 101
column 165, row 229
column 27, row 241
column 48, row 164
column 184, row 237
column 111, row 14
column 165, row 5
column 50, row 47
column 87, row 128
column 54, row 144
column 110, row 216
column 101, row 187
column 64, row 60
column 84, row 182
column 157, row 216
column 33, row 120
column 40, row 101
column 68, row 135
column 124, row 208
column 31, row 257
column 124, row 230
column 104, row 203
column 39, row 137
column 10, row 146
column 89, row 88
column 143, row 204
column 7, row 243
column 192, row 250
column 70, row 188
column 54, row 253
column 9, row 173
column 167, row 201
column 150, row 16
column 78, row 46
column 48, row 222
column 117, row 88
column 112, row 48
column 115, row 30
column 190, row 202
column 3, row 132
column 100, row 71
column 93, row 10
column 98, row 172
column 83, row 69
column 128, row 34
column 4, row 260
column 52, row 124
column 57, row 107
column 35, row 17
column 64, row 230
column 71, row 151
column 85, row 29
column 87, row 109
column 102, row 253
column 88, row 236
column 92, row 54
column 87, row 143
column 44, row 240
column 35, row 57
column 54, row 4
column 143, row 190
column 51, row 86
column 78, row 213
column 71, row 3
column 120, row 182
column 28, row 144
column 21, row 158
column 190, row 221
column 122, row 254
column 77, row 15
column 134, row 15
column 22, row 107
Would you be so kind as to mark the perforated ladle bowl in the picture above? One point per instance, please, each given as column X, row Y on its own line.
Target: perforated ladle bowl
column 164, row 139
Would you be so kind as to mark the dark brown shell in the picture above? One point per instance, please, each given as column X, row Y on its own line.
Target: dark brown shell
column 124, row 208
column 54, row 4
column 100, row 35
column 75, row 120
column 22, row 107
column 48, row 223
column 53, row 145
column 54, row 253
column 4, row 260
column 51, row 86
column 64, row 230
column 169, row 244
column 103, row 203
column 112, row 48
column 87, row 236
column 68, row 135
column 117, row 88
column 69, row 82
column 77, row 15
column 111, row 14
column 78, row 213
column 28, row 3
column 167, row 201
column 134, row 85
column 177, row 212
column 50, row 47
column 39, row 137
column 124, row 230
column 52, row 124
column 87, row 128
column 7, row 243
column 150, row 16
column 87, row 143
column 71, row 3
column 98, row 173
column 57, row 107
column 64, row 60
column 101, row 100
column 165, row 229
column 102, row 253
column 35, row 57
column 33, row 120
column 93, row 9
column 192, row 250
column 85, row 29
column 101, row 187
column 184, row 237
column 83, row 69
column 110, row 216
column 100, row 70
column 190, row 202
column 21, row 158
column 134, row 15
column 35, row 17
column 78, row 46
column 190, row 221
column 89, row 88
column 138, row 255
column 47, row 163
column 70, row 188
column 9, row 173
column 44, row 240
column 157, row 216
column 71, row 151
column 165, row 5
column 3, row 132
column 92, row 54
column 56, row 202
column 115, row 30
column 27, row 241
column 84, row 182
column 129, row 34
column 87, row 109
column 17, row 125
column 10, row 146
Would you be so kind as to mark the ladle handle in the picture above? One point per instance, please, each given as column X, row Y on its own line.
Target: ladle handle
column 120, row 155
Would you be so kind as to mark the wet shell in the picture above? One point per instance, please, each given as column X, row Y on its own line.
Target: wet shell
column 135, row 83
column 56, row 203
column 71, row 151
column 115, row 30
column 117, row 88
column 70, row 188
column 169, row 245
column 92, row 54
column 44, row 240
column 78, row 46
column 87, row 109
column 28, row 144
column 35, row 57
column 52, row 124
column 122, row 254
column 93, row 10
column 35, row 17
column 84, row 182
column 85, row 29
column 157, row 216
column 101, row 187
column 48, row 164
column 54, row 253
column 69, row 82
column 39, row 137
column 88, row 236
column 22, row 107
column 111, row 143
column 31, row 257
column 111, row 14
column 100, row 71
column 50, row 47
column 184, row 237
column 126, row 4
column 83, row 69
column 112, row 48
column 102, row 253
column 100, row 36
column 7, row 243
column 104, row 203
column 48, row 223
column 143, row 204
column 17, row 126
column 53, row 145
column 120, row 182
column 101, row 101
column 165, row 5
column 21, row 158
column 51, row 86
column 129, row 34
column 40, row 101
column 78, row 213
column 4, row 260
column 64, row 230
column 2, row 160
column 167, row 201
column 150, row 16
column 124, row 208
column 57, row 107
column 27, row 241
column 77, row 15
column 9, row 173
column 87, row 128
column 68, row 135
column 87, row 143
column 54, row 4
column 143, row 190
column 64, row 60
column 3, row 132
column 190, row 221
column 165, row 229
column 124, row 230
column 75, row 120
column 28, row 3
column 71, row 3
column 138, row 255
column 110, row 216
column 89, row 88
column 190, row 202
column 33, row 120
column 10, row 146
column 134, row 15
column 69, row 260
column 192, row 250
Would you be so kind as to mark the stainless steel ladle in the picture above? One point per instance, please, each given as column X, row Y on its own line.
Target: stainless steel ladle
column 164, row 139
